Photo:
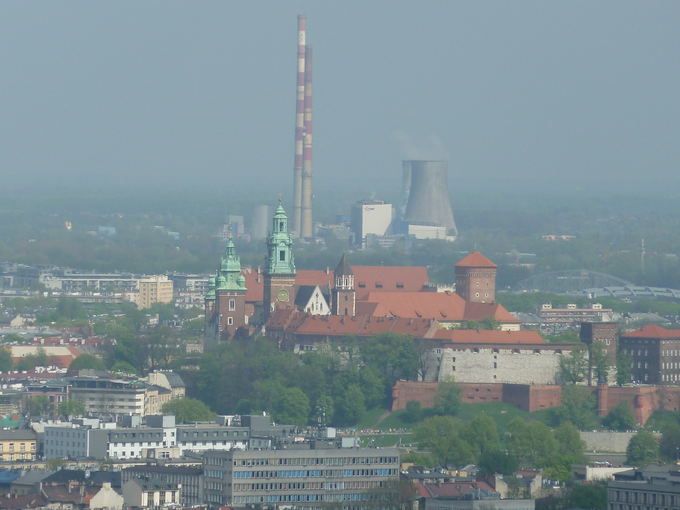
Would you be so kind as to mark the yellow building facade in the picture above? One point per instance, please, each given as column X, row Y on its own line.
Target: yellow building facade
column 154, row 289
column 17, row 445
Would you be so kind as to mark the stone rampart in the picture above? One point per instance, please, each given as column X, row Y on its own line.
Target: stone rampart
column 605, row 441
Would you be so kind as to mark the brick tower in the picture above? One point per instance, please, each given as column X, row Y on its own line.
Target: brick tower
column 343, row 293
column 279, row 271
column 225, row 302
column 476, row 278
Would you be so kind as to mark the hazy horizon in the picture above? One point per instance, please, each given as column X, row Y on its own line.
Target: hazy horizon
column 170, row 96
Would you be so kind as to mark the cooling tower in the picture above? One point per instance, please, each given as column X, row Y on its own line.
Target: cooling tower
column 405, row 188
column 428, row 199
column 261, row 218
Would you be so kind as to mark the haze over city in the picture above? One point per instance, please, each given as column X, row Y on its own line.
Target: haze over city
column 339, row 255
column 521, row 95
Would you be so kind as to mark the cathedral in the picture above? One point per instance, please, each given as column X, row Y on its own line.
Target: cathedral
column 242, row 301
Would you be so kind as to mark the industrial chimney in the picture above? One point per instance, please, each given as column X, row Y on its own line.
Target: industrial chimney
column 428, row 198
column 306, row 229
column 299, row 125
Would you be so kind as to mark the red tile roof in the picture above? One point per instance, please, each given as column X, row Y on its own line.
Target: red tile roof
column 479, row 311
column 443, row 306
column 366, row 279
column 470, row 336
column 475, row 259
column 301, row 323
column 255, row 291
column 313, row 278
column 652, row 331
column 421, row 491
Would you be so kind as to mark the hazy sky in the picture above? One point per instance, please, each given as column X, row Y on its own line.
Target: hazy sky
column 203, row 93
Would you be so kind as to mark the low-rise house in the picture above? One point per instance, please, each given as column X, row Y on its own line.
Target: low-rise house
column 191, row 480
column 17, row 445
column 140, row 493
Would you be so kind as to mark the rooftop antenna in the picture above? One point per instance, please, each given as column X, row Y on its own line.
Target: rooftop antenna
column 642, row 254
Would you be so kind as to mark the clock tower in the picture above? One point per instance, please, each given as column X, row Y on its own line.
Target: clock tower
column 279, row 267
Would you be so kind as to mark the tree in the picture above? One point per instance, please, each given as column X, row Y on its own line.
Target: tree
column 187, row 410
column 598, row 361
column 38, row 406
column 670, row 443
column 85, row 361
column 41, row 359
column 71, row 308
column 573, row 365
column 447, row 397
column 6, row 360
column 54, row 464
column 481, row 434
column 124, row 367
column 623, row 363
column 497, row 462
column 578, row 407
column 532, row 443
column 620, row 418
column 642, row 449
column 71, row 408
column 570, row 444
column 440, row 435
column 418, row 459
column 592, row 495
column 293, row 408
column 413, row 411
column 349, row 405
column 14, row 338
column 159, row 348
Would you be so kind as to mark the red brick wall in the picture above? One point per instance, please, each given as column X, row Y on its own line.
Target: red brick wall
column 643, row 400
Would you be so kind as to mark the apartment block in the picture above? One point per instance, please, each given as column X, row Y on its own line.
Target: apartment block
column 154, row 289
column 310, row 475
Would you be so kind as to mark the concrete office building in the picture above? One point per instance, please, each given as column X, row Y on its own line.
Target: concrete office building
column 309, row 476
column 76, row 441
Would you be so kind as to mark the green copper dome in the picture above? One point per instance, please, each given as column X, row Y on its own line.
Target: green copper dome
column 279, row 259
column 210, row 295
column 230, row 269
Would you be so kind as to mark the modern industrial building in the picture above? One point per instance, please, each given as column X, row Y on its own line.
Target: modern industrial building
column 310, row 476
column 370, row 217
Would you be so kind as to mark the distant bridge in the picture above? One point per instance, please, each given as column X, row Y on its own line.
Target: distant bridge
column 569, row 282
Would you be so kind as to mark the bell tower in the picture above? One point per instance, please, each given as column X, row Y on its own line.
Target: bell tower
column 476, row 278
column 343, row 293
column 230, row 294
column 279, row 268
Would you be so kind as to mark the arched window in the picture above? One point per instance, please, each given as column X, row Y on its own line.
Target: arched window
column 232, row 305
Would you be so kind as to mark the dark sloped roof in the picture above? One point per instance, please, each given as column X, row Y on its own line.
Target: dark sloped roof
column 303, row 294
column 343, row 267
column 175, row 380
column 65, row 475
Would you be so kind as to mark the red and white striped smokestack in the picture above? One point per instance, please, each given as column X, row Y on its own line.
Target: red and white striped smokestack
column 306, row 227
column 299, row 125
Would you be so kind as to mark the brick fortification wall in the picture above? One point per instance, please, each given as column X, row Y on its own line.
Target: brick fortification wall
column 643, row 400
